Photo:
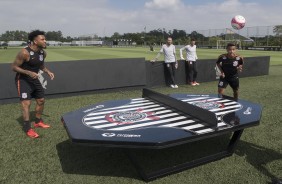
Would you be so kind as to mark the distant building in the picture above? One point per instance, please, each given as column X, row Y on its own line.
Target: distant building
column 86, row 43
column 122, row 42
column 54, row 43
column 16, row 43
column 66, row 43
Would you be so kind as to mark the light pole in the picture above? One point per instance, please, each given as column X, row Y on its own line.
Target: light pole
column 163, row 34
column 145, row 36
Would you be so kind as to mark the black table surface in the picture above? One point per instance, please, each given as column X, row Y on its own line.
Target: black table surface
column 143, row 123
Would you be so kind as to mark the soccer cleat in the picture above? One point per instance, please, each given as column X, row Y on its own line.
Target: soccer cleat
column 192, row 84
column 41, row 125
column 32, row 134
column 175, row 86
column 196, row 83
column 172, row 86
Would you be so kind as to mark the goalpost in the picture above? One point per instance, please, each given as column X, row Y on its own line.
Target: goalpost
column 221, row 44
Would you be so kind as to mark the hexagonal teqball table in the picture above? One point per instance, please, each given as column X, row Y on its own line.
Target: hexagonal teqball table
column 158, row 121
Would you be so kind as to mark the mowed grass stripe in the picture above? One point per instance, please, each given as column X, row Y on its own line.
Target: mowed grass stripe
column 97, row 53
column 93, row 53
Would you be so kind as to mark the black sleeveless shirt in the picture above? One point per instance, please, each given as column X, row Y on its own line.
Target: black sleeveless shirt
column 35, row 62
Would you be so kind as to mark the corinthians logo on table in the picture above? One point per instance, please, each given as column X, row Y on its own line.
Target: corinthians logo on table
column 208, row 105
column 129, row 117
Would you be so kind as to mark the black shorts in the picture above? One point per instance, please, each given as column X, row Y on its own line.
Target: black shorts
column 233, row 82
column 29, row 89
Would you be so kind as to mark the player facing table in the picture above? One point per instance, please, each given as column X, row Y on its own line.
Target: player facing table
column 229, row 65
column 171, row 63
column 27, row 64
column 191, row 57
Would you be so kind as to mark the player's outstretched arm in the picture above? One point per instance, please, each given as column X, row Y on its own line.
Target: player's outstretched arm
column 158, row 55
column 220, row 69
column 240, row 67
column 196, row 56
column 181, row 53
column 46, row 70
column 176, row 62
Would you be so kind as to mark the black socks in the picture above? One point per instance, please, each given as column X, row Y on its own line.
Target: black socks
column 37, row 120
column 26, row 125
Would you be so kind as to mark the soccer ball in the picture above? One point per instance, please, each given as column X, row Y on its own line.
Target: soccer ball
column 238, row 22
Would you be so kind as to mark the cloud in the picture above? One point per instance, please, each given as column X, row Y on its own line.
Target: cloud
column 164, row 4
column 100, row 17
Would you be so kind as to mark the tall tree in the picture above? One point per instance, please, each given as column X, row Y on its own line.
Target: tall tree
column 116, row 35
column 196, row 35
column 54, row 35
column 14, row 36
column 277, row 30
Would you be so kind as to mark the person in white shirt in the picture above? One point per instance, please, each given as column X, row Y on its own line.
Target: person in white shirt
column 170, row 60
column 191, row 58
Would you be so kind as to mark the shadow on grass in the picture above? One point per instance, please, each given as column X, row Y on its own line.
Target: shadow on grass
column 32, row 118
column 76, row 159
column 99, row 161
column 258, row 156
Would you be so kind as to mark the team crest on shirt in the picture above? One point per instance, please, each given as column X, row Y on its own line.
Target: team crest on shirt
column 41, row 51
column 24, row 95
column 237, row 58
column 224, row 57
column 41, row 57
column 31, row 53
column 235, row 63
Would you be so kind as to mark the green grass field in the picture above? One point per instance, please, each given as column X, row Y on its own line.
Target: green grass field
column 88, row 53
column 53, row 159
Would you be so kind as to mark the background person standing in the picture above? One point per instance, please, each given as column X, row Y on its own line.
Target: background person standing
column 191, row 57
column 171, row 63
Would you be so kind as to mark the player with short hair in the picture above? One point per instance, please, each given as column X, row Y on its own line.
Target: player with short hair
column 27, row 64
column 229, row 64
column 171, row 63
column 191, row 57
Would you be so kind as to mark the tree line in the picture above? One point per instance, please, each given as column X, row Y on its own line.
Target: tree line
column 156, row 36
column 23, row 36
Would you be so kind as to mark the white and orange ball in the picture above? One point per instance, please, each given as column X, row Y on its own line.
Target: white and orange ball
column 238, row 22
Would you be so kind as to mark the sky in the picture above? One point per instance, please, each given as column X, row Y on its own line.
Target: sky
column 104, row 17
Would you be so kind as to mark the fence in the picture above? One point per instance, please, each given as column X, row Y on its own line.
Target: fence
column 78, row 77
column 249, row 36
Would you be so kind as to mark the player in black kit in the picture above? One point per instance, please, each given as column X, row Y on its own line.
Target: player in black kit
column 27, row 64
column 229, row 64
